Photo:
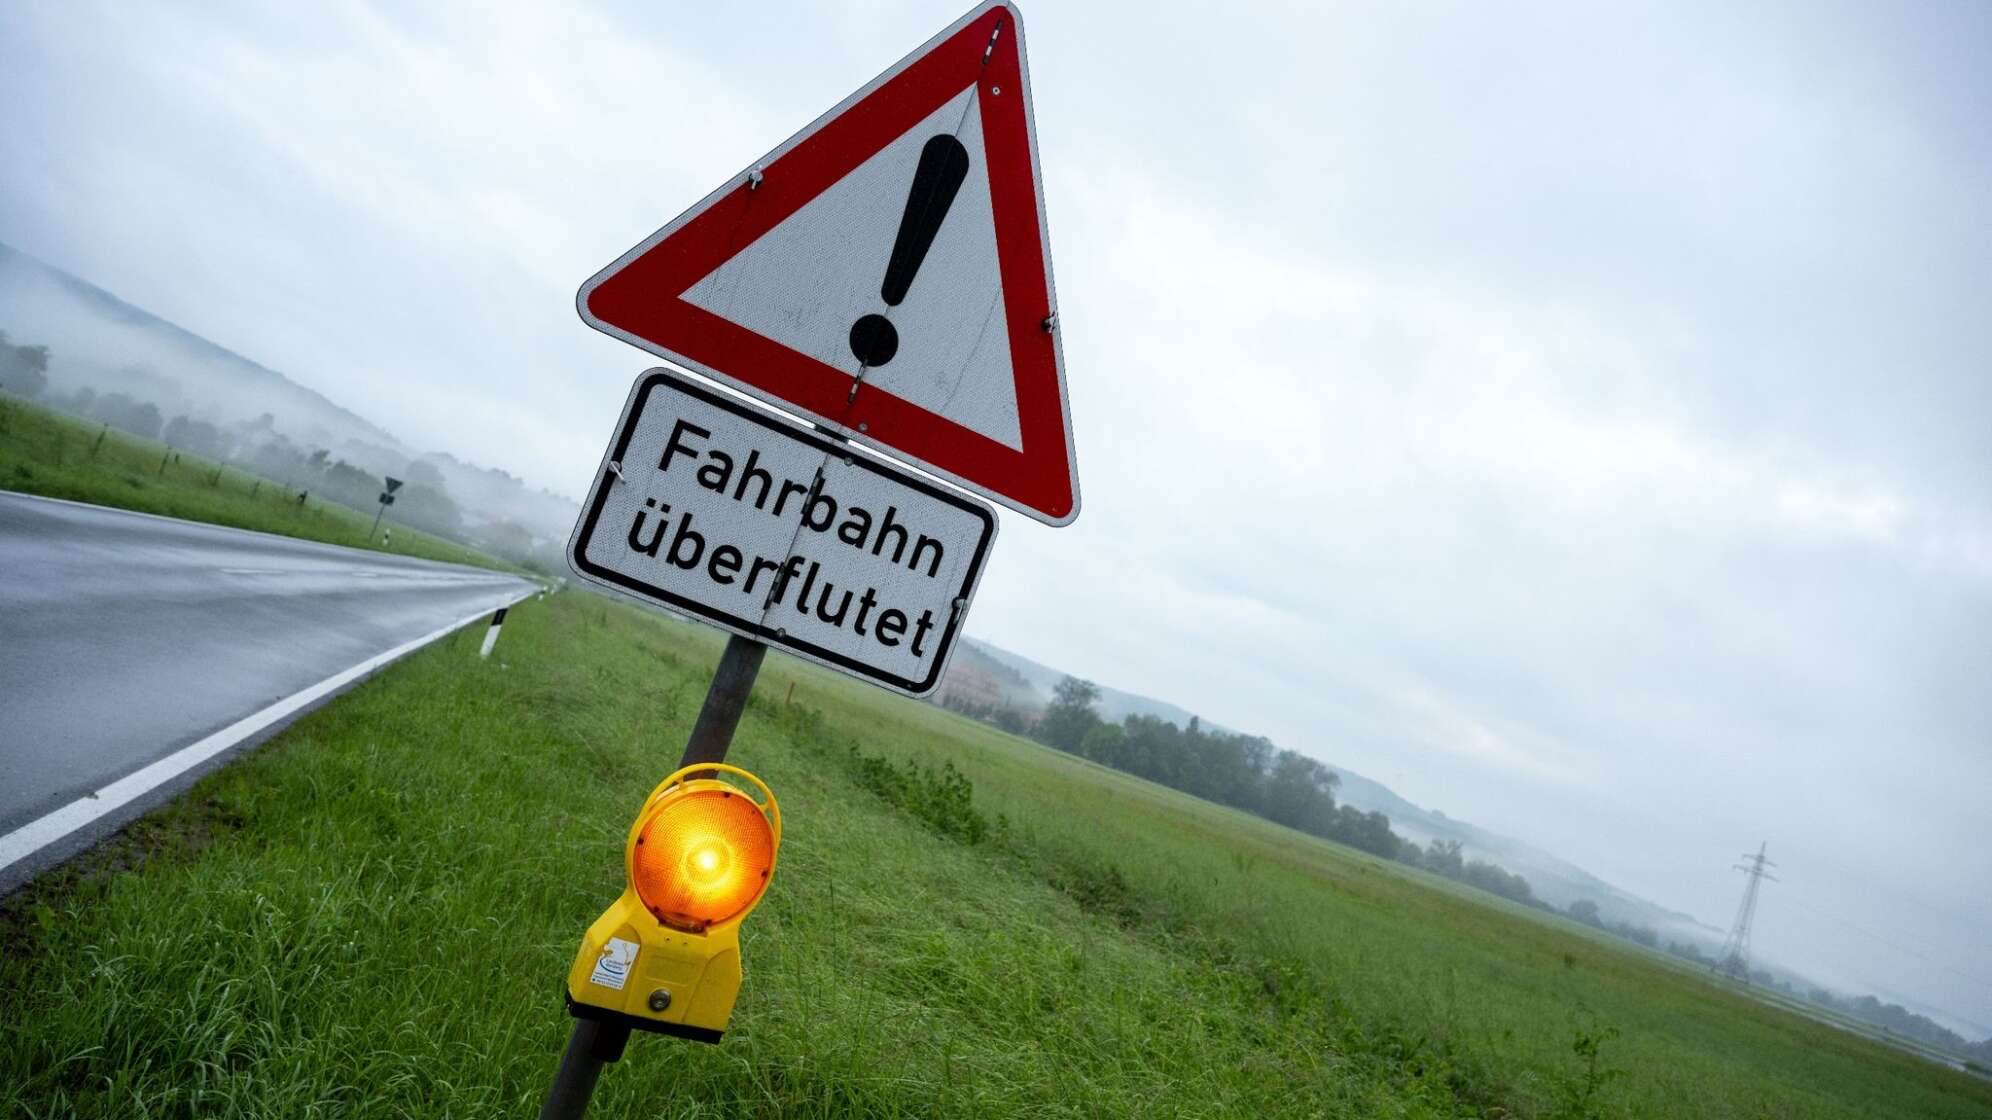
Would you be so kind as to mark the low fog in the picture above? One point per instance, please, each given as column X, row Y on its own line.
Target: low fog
column 101, row 349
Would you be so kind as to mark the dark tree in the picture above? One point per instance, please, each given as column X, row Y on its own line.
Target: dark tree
column 1070, row 715
column 125, row 414
column 1106, row 744
column 343, row 482
column 1443, row 857
column 197, row 436
column 1643, row 935
column 1010, row 719
column 509, row 539
column 1495, row 880
column 428, row 508
column 23, row 369
column 1688, row 950
column 421, row 472
column 1300, row 793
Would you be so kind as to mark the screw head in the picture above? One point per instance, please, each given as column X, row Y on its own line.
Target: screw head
column 659, row 1000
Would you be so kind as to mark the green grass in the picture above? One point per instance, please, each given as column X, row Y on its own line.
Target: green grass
column 55, row 455
column 372, row 915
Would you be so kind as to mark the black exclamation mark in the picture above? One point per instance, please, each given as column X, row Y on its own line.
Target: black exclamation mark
column 943, row 166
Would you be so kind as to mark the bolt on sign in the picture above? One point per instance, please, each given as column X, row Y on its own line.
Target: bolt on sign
column 710, row 505
column 885, row 272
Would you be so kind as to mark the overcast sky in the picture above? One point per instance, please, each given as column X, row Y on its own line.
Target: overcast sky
column 1580, row 421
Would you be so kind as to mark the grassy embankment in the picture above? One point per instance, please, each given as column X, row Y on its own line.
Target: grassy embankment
column 55, row 455
column 371, row 916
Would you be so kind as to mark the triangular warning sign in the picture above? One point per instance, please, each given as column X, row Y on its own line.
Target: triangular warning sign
column 885, row 272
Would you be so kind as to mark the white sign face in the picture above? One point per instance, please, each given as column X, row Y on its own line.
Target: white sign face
column 886, row 273
column 809, row 280
column 711, row 506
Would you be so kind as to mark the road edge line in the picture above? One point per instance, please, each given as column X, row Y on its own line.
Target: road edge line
column 275, row 536
column 57, row 825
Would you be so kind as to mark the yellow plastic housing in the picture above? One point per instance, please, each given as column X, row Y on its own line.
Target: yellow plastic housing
column 665, row 956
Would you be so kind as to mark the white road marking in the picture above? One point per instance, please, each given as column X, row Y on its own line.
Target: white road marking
column 37, row 834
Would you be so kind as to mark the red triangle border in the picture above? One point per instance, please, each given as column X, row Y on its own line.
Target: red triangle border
column 638, row 298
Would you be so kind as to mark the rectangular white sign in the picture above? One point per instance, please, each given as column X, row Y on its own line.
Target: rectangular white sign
column 717, row 508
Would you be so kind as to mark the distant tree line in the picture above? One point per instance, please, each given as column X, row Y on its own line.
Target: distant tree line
column 1246, row 772
column 1889, row 1016
column 1446, row 858
column 1897, row 1019
column 256, row 445
column 1586, row 911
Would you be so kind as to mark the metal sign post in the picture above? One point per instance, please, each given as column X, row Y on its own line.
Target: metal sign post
column 594, row 1043
column 386, row 500
column 884, row 275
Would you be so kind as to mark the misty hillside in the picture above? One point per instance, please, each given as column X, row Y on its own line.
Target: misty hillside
column 1115, row 705
column 1027, row 685
column 97, row 340
column 101, row 347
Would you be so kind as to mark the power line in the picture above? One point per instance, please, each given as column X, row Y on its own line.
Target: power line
column 1896, row 945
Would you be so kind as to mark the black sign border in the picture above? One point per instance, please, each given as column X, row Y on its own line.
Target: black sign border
column 584, row 531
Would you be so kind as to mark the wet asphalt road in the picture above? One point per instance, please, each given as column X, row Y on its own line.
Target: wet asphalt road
column 125, row 637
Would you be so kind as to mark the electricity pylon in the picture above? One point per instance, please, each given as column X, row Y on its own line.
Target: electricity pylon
column 1735, row 958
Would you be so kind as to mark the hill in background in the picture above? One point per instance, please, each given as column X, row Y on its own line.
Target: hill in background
column 1027, row 685
column 99, row 347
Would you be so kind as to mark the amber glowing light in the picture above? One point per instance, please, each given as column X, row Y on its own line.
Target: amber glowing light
column 704, row 857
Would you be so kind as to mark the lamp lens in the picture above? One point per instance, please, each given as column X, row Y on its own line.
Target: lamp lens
column 703, row 858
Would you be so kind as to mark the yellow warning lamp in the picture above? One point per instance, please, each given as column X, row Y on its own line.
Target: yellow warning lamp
column 665, row 957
